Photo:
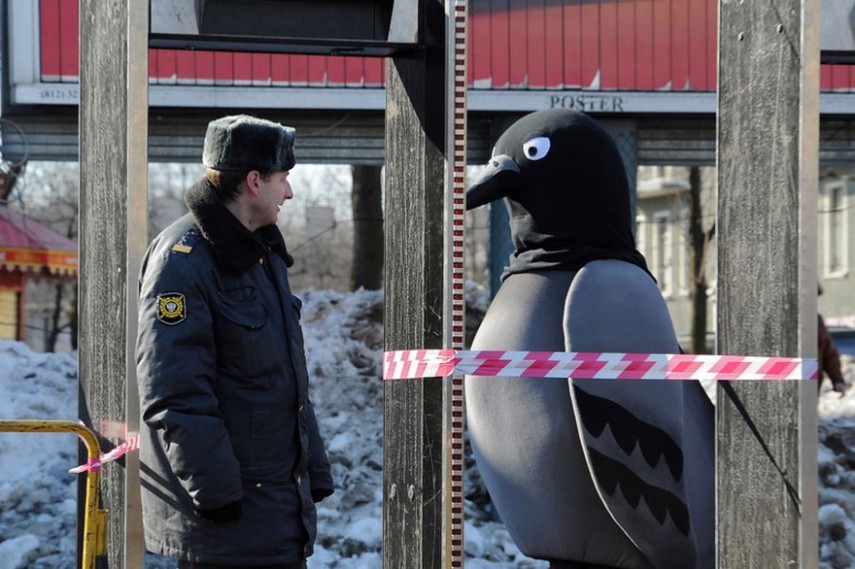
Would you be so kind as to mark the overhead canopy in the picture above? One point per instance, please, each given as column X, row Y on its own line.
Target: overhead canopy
column 27, row 245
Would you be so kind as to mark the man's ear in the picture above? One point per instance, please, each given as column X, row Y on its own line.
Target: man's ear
column 253, row 177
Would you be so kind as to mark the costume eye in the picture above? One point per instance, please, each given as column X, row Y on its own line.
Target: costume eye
column 536, row 148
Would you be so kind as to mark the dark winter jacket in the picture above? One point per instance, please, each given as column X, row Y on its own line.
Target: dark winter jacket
column 227, row 424
column 828, row 357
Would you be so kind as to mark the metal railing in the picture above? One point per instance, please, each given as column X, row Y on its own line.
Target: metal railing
column 94, row 518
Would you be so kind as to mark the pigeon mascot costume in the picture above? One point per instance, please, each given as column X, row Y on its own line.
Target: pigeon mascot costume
column 585, row 473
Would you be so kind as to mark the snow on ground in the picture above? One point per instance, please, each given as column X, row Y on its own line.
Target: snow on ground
column 344, row 342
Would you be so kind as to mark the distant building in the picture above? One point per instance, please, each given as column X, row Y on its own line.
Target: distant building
column 836, row 250
column 662, row 233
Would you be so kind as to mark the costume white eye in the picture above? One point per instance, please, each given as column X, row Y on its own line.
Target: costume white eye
column 536, row 148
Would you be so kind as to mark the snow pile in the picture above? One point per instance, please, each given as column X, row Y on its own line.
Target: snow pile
column 37, row 495
column 836, row 461
column 344, row 343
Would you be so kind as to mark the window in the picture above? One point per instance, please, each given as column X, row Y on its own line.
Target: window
column 640, row 231
column 683, row 258
column 662, row 252
column 836, row 229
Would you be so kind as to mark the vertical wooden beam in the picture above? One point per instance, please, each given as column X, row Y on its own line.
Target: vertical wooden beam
column 768, row 140
column 136, row 239
column 808, row 164
column 412, row 449
column 113, row 184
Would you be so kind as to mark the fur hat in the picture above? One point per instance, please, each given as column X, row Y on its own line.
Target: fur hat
column 241, row 143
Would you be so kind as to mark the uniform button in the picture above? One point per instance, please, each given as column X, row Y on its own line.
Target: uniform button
column 258, row 484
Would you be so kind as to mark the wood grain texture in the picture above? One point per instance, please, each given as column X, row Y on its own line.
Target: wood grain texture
column 412, row 449
column 760, row 289
column 103, row 248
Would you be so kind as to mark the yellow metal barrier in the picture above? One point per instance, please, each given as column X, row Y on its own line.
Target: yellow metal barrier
column 94, row 518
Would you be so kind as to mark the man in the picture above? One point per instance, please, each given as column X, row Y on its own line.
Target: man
column 231, row 457
column 827, row 357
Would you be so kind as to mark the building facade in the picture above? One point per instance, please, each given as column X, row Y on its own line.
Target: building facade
column 663, row 234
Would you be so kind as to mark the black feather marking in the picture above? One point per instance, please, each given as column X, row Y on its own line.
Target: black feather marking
column 594, row 420
column 611, row 474
column 629, row 431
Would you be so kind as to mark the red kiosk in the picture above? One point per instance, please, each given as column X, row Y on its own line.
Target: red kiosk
column 28, row 249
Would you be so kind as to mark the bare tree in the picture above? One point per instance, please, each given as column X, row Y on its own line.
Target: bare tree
column 367, row 201
column 64, row 314
column 167, row 183
column 700, row 241
column 318, row 226
column 10, row 172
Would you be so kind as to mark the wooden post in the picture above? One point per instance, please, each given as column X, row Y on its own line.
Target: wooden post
column 136, row 238
column 412, row 449
column 113, row 187
column 768, row 137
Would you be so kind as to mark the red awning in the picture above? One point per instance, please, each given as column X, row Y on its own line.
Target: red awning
column 28, row 245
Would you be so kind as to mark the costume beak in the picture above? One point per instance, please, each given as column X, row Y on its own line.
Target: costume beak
column 497, row 180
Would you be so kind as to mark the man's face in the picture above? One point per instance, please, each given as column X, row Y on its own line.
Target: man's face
column 273, row 191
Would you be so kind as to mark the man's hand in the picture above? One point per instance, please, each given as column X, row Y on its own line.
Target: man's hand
column 840, row 387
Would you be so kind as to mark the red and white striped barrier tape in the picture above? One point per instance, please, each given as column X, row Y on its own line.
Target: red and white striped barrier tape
column 415, row 364
column 94, row 464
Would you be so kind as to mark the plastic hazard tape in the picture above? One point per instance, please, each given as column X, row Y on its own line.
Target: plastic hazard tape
column 94, row 464
column 415, row 364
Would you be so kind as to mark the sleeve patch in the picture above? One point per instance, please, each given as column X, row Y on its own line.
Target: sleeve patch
column 171, row 308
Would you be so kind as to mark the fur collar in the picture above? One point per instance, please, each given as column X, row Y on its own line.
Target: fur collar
column 236, row 248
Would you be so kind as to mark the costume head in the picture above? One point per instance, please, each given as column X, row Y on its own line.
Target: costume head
column 241, row 143
column 566, row 189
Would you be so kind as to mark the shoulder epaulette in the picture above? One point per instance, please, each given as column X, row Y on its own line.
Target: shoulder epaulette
column 187, row 242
